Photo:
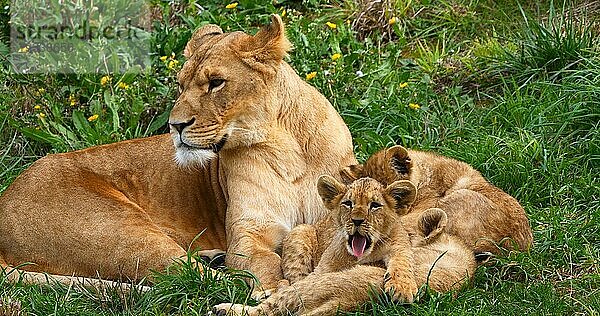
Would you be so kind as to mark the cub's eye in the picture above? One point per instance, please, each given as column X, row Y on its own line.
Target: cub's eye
column 375, row 205
column 215, row 84
column 347, row 203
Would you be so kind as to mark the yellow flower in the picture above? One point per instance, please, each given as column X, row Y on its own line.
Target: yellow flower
column 93, row 118
column 37, row 107
column 163, row 58
column 24, row 49
column 41, row 90
column 403, row 84
column 283, row 13
column 336, row 56
column 172, row 64
column 72, row 100
column 311, row 75
column 123, row 85
column 231, row 5
column 104, row 80
column 392, row 21
column 331, row 25
column 414, row 106
column 41, row 115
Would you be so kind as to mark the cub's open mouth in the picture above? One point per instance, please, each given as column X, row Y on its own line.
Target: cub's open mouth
column 359, row 244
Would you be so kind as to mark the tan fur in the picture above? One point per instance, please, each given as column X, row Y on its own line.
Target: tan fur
column 479, row 213
column 119, row 210
column 378, row 208
column 441, row 261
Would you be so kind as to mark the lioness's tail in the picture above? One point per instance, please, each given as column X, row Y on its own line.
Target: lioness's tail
column 14, row 275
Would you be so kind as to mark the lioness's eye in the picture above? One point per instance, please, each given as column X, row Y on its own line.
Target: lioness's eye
column 375, row 205
column 215, row 83
column 347, row 203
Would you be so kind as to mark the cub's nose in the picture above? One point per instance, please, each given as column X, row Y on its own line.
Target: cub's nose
column 357, row 221
column 180, row 126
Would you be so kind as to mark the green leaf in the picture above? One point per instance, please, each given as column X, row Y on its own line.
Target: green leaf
column 159, row 122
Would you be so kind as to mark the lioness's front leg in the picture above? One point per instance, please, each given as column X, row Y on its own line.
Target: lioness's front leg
column 253, row 249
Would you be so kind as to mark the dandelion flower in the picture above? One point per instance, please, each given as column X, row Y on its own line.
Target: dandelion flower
column 72, row 100
column 283, row 12
column 93, row 118
column 403, row 84
column 24, row 49
column 336, row 56
column 172, row 64
column 37, row 107
column 41, row 90
column 231, row 5
column 123, row 85
column 414, row 106
column 392, row 21
column 41, row 115
column 104, row 80
column 163, row 58
column 311, row 75
column 331, row 25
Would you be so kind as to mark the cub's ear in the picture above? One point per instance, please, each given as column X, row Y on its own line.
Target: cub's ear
column 268, row 45
column 351, row 173
column 398, row 159
column 201, row 35
column 432, row 223
column 401, row 194
column 329, row 189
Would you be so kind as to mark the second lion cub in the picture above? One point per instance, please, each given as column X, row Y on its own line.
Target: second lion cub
column 363, row 227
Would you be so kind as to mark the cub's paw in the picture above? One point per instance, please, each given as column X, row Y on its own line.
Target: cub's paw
column 260, row 296
column 403, row 290
column 229, row 309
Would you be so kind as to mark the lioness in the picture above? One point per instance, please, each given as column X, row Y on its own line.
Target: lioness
column 482, row 215
column 441, row 261
column 254, row 137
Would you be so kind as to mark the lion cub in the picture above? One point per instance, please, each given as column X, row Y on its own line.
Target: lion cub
column 363, row 227
column 479, row 213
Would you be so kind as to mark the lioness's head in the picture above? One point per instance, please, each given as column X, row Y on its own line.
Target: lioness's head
column 365, row 209
column 386, row 166
column 227, row 87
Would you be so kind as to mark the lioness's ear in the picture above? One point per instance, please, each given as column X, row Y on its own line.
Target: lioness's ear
column 329, row 188
column 351, row 173
column 269, row 44
column 432, row 223
column 401, row 195
column 201, row 35
column 398, row 159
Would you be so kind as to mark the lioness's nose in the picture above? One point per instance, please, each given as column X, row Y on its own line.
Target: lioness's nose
column 358, row 221
column 180, row 126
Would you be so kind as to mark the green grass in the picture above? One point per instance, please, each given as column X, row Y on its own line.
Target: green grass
column 513, row 89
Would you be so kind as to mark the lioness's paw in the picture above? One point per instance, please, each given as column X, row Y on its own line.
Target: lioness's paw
column 403, row 290
column 228, row 309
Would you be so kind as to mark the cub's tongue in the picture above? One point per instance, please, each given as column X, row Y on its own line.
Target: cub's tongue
column 358, row 245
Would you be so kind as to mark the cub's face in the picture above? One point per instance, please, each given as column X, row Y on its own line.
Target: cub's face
column 226, row 91
column 365, row 210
